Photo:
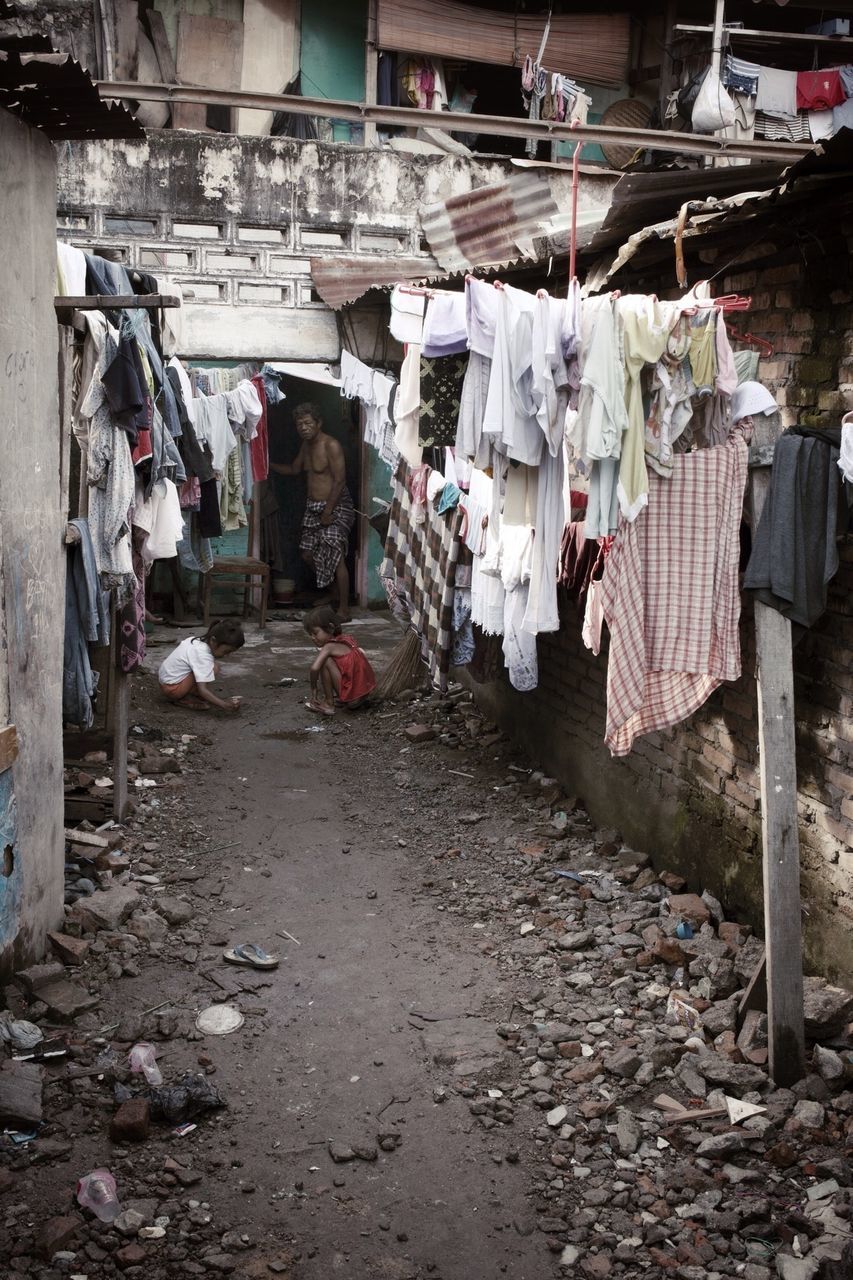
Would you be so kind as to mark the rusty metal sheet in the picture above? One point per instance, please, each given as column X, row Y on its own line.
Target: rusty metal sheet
column 641, row 199
column 490, row 226
column 54, row 93
column 342, row 280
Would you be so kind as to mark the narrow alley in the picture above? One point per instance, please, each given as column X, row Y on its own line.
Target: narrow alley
column 426, row 628
column 453, row 1071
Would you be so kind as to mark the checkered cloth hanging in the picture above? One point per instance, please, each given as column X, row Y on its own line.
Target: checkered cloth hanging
column 420, row 569
column 671, row 598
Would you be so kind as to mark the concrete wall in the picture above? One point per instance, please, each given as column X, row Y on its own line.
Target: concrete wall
column 31, row 546
column 690, row 797
column 236, row 221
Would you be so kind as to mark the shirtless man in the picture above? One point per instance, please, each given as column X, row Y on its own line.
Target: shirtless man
column 329, row 513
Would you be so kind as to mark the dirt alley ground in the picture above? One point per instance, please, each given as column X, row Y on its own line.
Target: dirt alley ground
column 417, row 880
column 298, row 824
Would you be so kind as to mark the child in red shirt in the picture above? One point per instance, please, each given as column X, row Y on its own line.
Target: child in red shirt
column 341, row 672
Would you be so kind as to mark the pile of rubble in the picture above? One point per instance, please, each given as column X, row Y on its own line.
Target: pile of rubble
column 666, row 1148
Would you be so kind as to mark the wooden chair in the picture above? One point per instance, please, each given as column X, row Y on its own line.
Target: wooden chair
column 245, row 567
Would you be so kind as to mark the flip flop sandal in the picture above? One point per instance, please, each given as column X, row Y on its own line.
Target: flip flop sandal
column 251, row 955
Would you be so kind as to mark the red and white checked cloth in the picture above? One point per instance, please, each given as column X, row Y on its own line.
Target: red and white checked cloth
column 671, row 597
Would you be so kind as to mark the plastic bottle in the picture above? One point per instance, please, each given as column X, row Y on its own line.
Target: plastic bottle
column 143, row 1058
column 97, row 1191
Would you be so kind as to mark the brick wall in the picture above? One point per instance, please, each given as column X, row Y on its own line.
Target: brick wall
column 690, row 796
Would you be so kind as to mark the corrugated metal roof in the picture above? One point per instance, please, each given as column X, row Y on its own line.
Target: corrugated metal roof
column 341, row 280
column 490, row 226
column 52, row 92
column 817, row 183
column 641, row 199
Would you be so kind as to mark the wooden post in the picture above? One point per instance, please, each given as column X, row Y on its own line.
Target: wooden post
column 121, row 725
column 779, row 818
column 66, row 398
column 717, row 54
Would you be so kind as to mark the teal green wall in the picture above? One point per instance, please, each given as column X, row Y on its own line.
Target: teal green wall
column 378, row 485
column 332, row 55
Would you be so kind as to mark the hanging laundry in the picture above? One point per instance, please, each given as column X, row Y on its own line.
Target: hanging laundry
column 516, row 539
column 441, row 381
column 87, row 621
column 819, row 90
column 356, row 378
column 214, row 428
column 578, row 557
column 445, row 329
column 646, row 325
column 740, row 75
column 161, row 520
column 779, row 128
column 845, row 461
column 408, row 407
column 670, row 406
column 534, row 82
column 511, row 411
column 671, row 598
column 130, row 620
column 259, row 451
column 70, row 271
column 795, row 550
column 407, row 315
column 420, row 566
column 777, row 91
column 602, row 416
column 487, row 589
column 111, row 481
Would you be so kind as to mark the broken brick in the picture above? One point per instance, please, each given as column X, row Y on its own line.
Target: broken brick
column 132, row 1121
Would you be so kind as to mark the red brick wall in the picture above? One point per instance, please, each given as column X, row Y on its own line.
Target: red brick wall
column 690, row 796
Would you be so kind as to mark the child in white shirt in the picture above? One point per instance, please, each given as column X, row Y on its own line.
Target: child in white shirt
column 187, row 674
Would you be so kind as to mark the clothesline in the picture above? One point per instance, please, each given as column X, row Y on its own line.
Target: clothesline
column 531, row 398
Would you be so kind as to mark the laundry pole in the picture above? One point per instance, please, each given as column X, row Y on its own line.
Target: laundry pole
column 717, row 37
column 779, row 818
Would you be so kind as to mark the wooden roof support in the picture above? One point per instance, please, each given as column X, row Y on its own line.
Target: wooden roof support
column 780, row 837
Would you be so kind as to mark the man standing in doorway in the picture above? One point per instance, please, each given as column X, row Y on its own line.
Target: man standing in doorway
column 329, row 513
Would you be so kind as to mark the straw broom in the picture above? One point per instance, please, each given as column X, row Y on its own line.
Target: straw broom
column 405, row 669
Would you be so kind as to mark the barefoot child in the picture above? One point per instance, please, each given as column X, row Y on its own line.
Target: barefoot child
column 189, row 671
column 341, row 671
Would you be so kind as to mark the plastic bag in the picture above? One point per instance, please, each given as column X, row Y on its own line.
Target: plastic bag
column 189, row 1096
column 713, row 108
column 686, row 96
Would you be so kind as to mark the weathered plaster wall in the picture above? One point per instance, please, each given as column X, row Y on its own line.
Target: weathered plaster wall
column 237, row 220
column 31, row 546
column 690, row 797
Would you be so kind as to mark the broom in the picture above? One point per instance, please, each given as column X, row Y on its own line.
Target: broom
column 405, row 670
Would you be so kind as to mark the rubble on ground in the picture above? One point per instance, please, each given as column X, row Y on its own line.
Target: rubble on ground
column 622, row 1078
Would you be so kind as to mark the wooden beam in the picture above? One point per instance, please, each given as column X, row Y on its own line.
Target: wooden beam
column 764, row 37
column 117, row 302
column 162, row 48
column 779, row 818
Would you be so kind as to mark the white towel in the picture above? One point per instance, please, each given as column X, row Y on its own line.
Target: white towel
column 845, row 462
